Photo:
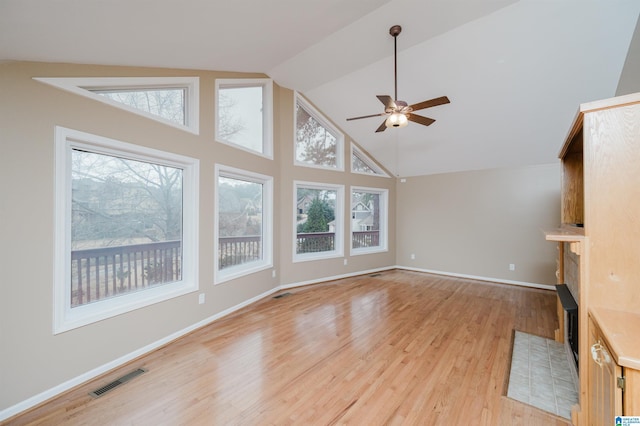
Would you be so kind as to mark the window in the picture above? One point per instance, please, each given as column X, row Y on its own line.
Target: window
column 244, row 114
column 126, row 234
column 168, row 103
column 169, row 100
column 318, row 143
column 368, row 220
column 361, row 163
column 318, row 221
column 243, row 222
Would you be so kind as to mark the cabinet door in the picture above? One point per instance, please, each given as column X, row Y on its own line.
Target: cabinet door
column 605, row 398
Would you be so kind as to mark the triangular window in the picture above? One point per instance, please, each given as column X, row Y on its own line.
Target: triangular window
column 361, row 163
column 170, row 100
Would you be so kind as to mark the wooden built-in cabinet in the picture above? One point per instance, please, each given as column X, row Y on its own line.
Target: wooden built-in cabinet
column 600, row 226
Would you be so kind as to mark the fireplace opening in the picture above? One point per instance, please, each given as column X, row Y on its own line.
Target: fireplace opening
column 571, row 320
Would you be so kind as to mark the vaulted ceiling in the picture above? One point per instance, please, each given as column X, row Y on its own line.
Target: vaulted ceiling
column 515, row 71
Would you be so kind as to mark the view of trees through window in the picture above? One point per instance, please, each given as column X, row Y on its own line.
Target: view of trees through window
column 315, row 220
column 357, row 165
column 126, row 225
column 315, row 144
column 169, row 104
column 240, row 116
column 240, row 210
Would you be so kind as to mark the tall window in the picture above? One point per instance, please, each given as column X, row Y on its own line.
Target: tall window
column 318, row 219
column 125, row 227
column 318, row 143
column 169, row 100
column 243, row 222
column 368, row 220
column 244, row 114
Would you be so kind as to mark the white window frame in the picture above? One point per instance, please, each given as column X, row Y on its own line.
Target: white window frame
column 67, row 318
column 339, row 220
column 267, row 112
column 238, row 271
column 378, row 171
column 83, row 86
column 320, row 118
column 383, row 235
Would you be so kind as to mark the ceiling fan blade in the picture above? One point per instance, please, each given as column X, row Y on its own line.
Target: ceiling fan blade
column 382, row 127
column 387, row 101
column 430, row 103
column 366, row 116
column 420, row 119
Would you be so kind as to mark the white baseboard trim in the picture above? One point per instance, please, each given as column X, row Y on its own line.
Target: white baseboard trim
column 335, row 277
column 92, row 374
column 479, row 278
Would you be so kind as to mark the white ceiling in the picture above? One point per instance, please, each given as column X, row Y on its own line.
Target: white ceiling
column 515, row 71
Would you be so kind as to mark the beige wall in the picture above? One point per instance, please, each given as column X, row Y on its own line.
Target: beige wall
column 630, row 77
column 477, row 223
column 32, row 359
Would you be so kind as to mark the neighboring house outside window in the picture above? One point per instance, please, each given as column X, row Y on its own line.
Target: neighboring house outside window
column 369, row 211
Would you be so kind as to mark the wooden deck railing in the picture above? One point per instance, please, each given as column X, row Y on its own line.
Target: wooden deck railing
column 238, row 250
column 105, row 272
column 314, row 242
column 361, row 239
column 101, row 273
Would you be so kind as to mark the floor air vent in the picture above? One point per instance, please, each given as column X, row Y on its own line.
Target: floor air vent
column 375, row 275
column 280, row 296
column 122, row 380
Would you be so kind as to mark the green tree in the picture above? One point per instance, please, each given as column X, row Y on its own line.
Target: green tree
column 316, row 220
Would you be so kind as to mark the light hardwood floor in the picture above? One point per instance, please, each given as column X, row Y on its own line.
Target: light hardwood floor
column 398, row 348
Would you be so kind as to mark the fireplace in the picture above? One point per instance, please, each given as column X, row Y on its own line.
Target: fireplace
column 570, row 308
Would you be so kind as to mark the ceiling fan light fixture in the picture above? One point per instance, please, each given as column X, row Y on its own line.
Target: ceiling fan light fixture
column 397, row 120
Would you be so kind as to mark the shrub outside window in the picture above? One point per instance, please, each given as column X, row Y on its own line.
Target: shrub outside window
column 125, row 227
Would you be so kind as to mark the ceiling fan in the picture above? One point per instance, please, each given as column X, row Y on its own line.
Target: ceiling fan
column 399, row 112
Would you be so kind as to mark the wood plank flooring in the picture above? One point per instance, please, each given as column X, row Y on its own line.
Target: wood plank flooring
column 400, row 348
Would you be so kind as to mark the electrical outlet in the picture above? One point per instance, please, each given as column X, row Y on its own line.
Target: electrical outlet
column 345, row 262
column 273, row 273
column 413, row 256
column 512, row 266
column 201, row 298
